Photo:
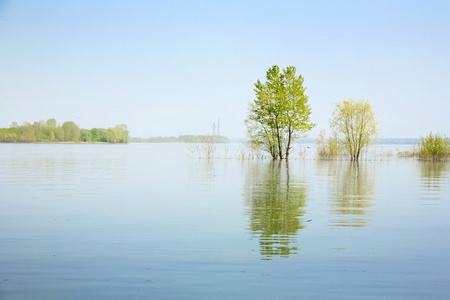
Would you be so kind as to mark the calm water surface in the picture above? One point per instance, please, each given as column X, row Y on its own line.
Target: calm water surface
column 145, row 221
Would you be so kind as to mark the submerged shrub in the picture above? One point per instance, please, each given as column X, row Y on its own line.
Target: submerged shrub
column 328, row 148
column 434, row 147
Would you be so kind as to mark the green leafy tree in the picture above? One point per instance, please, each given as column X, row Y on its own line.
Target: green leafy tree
column 124, row 134
column 59, row 134
column 355, row 124
column 280, row 114
column 8, row 135
column 51, row 130
column 102, row 135
column 51, row 122
column 118, row 134
column 85, row 135
column 113, row 135
column 12, row 134
column 94, row 134
column 71, row 131
column 51, row 134
column 27, row 133
column 40, row 130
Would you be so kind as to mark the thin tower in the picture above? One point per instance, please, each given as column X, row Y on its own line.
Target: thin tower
column 214, row 128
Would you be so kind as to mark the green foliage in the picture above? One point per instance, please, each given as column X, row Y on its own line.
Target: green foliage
column 355, row 126
column 102, row 135
column 59, row 134
column 328, row 148
column 117, row 134
column 352, row 193
column 51, row 122
column 123, row 133
column 85, row 135
column 280, row 114
column 39, row 130
column 95, row 134
column 434, row 147
column 334, row 145
column 27, row 132
column 71, row 131
column 431, row 147
column 410, row 153
column 276, row 207
column 49, row 132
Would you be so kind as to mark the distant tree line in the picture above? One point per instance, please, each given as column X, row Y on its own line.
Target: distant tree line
column 51, row 132
column 179, row 139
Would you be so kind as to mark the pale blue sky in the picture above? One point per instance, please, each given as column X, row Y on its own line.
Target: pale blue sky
column 174, row 67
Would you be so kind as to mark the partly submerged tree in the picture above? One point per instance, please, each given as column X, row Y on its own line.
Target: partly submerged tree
column 280, row 114
column 434, row 147
column 355, row 124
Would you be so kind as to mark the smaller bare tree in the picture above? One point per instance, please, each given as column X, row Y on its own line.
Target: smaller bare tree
column 208, row 146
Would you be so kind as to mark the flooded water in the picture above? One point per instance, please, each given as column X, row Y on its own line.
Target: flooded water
column 145, row 221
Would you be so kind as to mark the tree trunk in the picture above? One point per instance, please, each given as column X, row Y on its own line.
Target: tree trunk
column 288, row 144
column 280, row 148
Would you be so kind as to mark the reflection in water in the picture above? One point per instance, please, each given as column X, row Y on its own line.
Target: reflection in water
column 434, row 178
column 353, row 189
column 433, row 173
column 275, row 202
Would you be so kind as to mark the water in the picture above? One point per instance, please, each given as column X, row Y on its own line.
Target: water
column 145, row 221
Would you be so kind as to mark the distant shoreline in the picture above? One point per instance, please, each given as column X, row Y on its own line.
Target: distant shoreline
column 50, row 132
column 384, row 141
column 66, row 143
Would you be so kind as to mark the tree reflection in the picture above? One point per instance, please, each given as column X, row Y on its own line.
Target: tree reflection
column 275, row 204
column 433, row 173
column 353, row 189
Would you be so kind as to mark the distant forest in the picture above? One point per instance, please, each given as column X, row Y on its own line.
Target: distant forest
column 179, row 139
column 51, row 132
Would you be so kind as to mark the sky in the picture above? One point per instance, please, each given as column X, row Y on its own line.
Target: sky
column 168, row 68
